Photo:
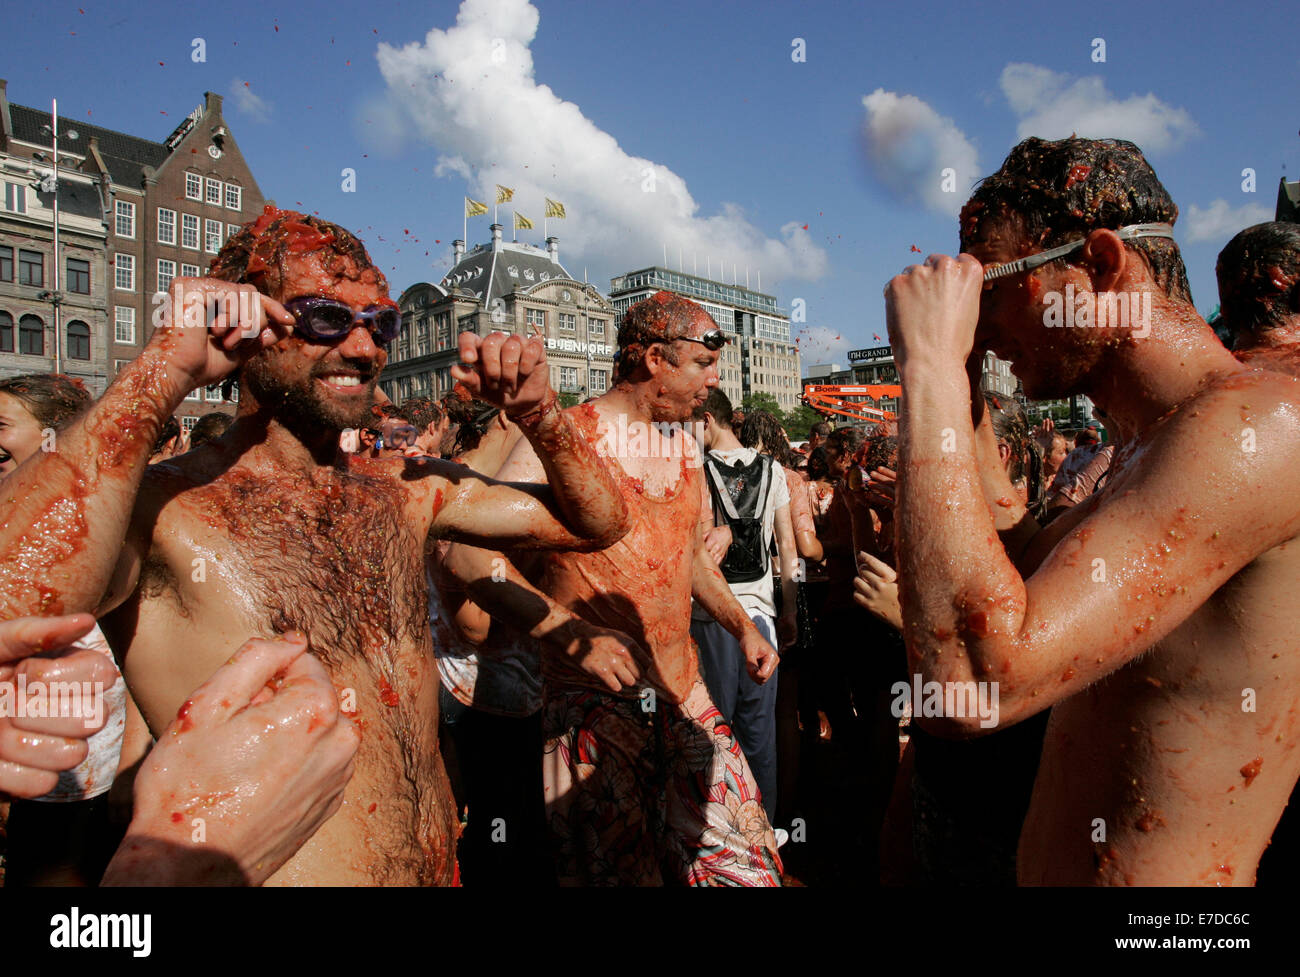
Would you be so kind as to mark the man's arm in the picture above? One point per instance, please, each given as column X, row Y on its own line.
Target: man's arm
column 787, row 625
column 497, row 586
column 65, row 513
column 584, row 501
column 1132, row 570
column 710, row 590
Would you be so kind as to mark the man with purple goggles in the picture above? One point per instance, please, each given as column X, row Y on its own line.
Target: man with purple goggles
column 324, row 320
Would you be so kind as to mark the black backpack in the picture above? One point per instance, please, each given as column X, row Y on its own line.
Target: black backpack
column 739, row 494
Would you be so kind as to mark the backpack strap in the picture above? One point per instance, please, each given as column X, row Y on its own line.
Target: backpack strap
column 719, row 490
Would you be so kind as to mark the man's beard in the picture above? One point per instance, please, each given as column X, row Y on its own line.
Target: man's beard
column 304, row 405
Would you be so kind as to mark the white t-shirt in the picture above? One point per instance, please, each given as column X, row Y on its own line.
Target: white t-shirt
column 756, row 596
column 95, row 774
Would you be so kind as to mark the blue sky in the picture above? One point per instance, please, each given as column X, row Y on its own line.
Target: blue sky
column 689, row 126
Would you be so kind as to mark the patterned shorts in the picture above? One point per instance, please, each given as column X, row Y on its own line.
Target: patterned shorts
column 652, row 798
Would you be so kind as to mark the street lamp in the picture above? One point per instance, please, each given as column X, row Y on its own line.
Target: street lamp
column 50, row 184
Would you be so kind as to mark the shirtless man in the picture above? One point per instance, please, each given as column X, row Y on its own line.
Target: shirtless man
column 1259, row 295
column 268, row 530
column 287, row 784
column 1157, row 618
column 645, row 785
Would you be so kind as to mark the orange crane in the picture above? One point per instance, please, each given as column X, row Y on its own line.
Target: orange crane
column 829, row 398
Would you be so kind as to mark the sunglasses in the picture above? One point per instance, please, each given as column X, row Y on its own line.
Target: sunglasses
column 1030, row 262
column 323, row 320
column 713, row 340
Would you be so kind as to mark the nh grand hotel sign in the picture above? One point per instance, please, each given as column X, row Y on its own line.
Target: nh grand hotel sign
column 867, row 355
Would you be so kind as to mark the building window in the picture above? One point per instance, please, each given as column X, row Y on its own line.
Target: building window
column 124, row 272
column 231, row 230
column 187, row 423
column 213, row 394
column 79, row 276
column 189, row 232
column 15, row 198
column 599, row 380
column 189, row 271
column 213, row 191
column 31, row 335
column 568, row 378
column 6, row 333
column 125, row 226
column 123, row 324
column 212, row 236
column 193, row 186
column 234, row 197
column 596, row 327
column 6, row 264
column 78, row 340
column 568, row 322
column 194, row 395
column 120, row 365
column 166, row 272
column 536, row 317
column 442, row 323
column 422, row 334
column 166, row 226
column 31, row 268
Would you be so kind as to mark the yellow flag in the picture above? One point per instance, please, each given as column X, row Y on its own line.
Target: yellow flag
column 522, row 222
column 473, row 208
column 554, row 208
column 505, row 194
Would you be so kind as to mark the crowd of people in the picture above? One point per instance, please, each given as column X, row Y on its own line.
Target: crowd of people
column 644, row 640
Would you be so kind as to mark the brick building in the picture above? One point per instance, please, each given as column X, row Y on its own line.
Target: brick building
column 134, row 214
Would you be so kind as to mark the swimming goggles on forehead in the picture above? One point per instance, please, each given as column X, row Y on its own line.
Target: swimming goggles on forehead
column 713, row 340
column 325, row 320
column 1030, row 262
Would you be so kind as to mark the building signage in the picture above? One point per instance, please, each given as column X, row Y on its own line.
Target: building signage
column 574, row 346
column 875, row 353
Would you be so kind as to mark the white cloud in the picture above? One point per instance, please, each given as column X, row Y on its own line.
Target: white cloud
column 470, row 91
column 248, row 102
column 909, row 145
column 1219, row 222
column 1052, row 105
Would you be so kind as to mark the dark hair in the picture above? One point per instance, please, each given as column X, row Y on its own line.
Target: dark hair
column 1259, row 278
column 762, row 427
column 209, row 427
column 822, row 428
column 719, row 405
column 662, row 318
column 470, row 420
column 169, row 430
column 1056, row 192
column 421, row 412
column 881, row 452
column 844, row 441
column 52, row 398
column 1011, row 426
column 819, row 466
